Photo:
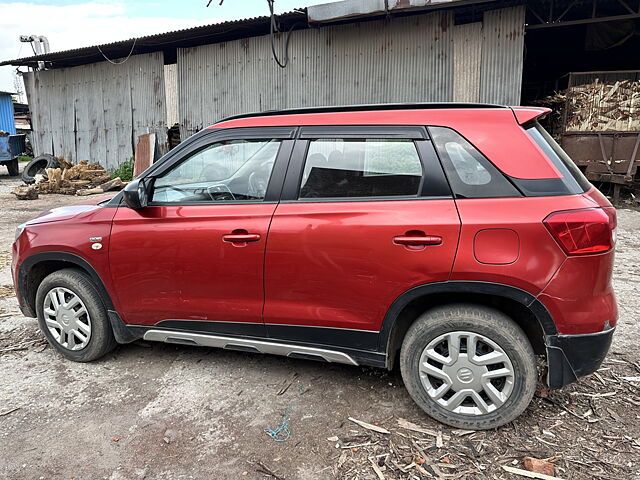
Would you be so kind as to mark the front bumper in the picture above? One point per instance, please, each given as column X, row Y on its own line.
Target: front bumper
column 572, row 356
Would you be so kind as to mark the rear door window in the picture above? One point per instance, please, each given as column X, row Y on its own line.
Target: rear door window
column 354, row 168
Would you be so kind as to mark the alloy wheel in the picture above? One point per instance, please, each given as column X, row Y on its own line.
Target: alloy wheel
column 67, row 318
column 466, row 373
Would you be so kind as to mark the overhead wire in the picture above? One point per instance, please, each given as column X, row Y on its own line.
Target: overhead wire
column 273, row 29
column 120, row 62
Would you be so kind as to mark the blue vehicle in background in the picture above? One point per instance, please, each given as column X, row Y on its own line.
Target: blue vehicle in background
column 10, row 147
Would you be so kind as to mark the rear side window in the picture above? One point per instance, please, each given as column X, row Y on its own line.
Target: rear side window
column 572, row 181
column 470, row 174
column 348, row 168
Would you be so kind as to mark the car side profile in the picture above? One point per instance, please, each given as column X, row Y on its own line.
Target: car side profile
column 457, row 241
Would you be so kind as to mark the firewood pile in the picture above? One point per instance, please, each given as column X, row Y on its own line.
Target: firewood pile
column 82, row 179
column 604, row 106
column 554, row 121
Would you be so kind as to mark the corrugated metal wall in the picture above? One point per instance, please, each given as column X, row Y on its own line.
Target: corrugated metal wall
column 467, row 62
column 410, row 59
column 7, row 121
column 96, row 112
column 403, row 60
column 171, row 94
column 502, row 55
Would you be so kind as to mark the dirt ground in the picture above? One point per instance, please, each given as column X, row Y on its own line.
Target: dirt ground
column 171, row 412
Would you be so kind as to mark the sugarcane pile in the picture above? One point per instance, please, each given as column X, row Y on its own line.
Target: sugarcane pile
column 604, row 106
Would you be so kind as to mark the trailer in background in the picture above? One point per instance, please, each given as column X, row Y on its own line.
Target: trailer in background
column 601, row 126
column 11, row 146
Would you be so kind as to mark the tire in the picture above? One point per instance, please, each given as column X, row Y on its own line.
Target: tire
column 493, row 333
column 99, row 336
column 13, row 168
column 37, row 165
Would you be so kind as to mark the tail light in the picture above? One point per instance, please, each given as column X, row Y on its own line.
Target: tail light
column 583, row 232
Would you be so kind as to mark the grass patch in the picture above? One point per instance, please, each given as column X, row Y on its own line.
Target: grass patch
column 24, row 158
column 124, row 171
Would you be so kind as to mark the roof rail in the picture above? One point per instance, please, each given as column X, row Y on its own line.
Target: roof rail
column 363, row 108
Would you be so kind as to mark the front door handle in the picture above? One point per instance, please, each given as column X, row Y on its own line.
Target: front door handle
column 417, row 241
column 241, row 237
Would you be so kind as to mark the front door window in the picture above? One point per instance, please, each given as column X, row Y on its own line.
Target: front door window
column 237, row 170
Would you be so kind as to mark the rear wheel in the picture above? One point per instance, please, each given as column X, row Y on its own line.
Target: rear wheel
column 72, row 316
column 468, row 366
column 13, row 168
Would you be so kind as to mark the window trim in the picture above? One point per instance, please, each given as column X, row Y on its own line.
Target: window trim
column 362, row 131
column 418, row 134
column 204, row 140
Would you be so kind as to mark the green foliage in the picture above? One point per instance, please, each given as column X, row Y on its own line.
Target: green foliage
column 124, row 171
column 24, row 158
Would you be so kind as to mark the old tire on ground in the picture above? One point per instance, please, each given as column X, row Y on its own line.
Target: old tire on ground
column 468, row 366
column 13, row 168
column 38, row 165
column 72, row 316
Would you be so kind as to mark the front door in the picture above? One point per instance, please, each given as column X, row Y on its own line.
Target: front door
column 366, row 214
column 193, row 259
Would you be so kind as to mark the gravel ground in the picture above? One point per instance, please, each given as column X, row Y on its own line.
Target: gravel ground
column 170, row 412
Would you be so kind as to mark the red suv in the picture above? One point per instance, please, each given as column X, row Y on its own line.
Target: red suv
column 457, row 240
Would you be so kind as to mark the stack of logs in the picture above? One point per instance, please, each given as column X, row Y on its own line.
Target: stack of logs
column 604, row 106
column 81, row 179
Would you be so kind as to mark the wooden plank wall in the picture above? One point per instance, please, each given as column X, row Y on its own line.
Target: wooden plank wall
column 96, row 112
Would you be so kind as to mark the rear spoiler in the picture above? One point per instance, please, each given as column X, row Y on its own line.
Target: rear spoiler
column 528, row 114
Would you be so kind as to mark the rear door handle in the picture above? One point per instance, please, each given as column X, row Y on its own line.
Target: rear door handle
column 417, row 241
column 241, row 237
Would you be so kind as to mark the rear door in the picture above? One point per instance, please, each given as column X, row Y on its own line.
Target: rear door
column 193, row 259
column 366, row 214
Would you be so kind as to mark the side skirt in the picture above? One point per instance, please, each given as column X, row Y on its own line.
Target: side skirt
column 247, row 345
column 273, row 346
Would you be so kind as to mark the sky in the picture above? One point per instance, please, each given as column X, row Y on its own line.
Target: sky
column 71, row 23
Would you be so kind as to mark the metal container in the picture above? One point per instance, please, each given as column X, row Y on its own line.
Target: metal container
column 11, row 146
column 5, row 149
column 7, row 121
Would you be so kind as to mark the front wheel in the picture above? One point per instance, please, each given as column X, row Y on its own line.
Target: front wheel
column 468, row 366
column 72, row 316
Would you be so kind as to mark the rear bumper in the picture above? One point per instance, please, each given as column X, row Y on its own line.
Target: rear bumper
column 573, row 356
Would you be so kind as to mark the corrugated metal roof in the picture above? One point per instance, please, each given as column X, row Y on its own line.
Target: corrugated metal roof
column 188, row 37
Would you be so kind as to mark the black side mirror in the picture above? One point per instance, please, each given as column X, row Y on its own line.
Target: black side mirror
column 136, row 193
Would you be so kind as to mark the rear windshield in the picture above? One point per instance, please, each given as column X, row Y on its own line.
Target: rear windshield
column 573, row 180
